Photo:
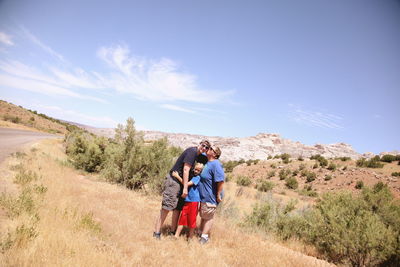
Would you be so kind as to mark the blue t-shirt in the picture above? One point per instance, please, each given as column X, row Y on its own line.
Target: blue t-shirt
column 212, row 174
column 193, row 194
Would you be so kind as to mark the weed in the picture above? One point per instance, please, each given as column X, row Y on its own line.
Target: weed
column 243, row 180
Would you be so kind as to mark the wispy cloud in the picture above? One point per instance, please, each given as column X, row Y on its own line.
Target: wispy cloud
column 154, row 80
column 177, row 108
column 6, row 39
column 42, row 45
column 315, row 118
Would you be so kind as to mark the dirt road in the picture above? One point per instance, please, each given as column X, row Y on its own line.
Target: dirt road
column 11, row 140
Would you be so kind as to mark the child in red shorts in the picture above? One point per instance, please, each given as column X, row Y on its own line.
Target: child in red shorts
column 190, row 209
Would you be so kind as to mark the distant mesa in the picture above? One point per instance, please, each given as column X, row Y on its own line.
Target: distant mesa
column 254, row 147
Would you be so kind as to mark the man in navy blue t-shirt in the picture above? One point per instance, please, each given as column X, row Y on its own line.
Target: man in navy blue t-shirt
column 174, row 192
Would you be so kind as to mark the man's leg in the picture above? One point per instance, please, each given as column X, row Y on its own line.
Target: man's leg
column 160, row 220
column 207, row 226
column 175, row 218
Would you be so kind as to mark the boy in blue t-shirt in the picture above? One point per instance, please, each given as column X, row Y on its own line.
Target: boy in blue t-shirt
column 190, row 209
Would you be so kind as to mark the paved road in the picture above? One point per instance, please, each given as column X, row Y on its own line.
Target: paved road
column 11, row 140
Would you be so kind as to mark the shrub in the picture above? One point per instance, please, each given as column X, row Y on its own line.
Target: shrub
column 359, row 185
column 295, row 172
column 388, row 158
column 302, row 166
column 265, row 186
column 310, row 176
column 345, row 229
column 292, row 183
column 332, row 166
column 322, row 161
column 345, row 158
column 316, row 165
column 273, row 166
column 395, row 173
column 262, row 216
column 328, row 177
column 269, row 157
column 271, row 174
column 284, row 173
column 372, row 163
column 230, row 165
column 300, row 158
column 243, row 180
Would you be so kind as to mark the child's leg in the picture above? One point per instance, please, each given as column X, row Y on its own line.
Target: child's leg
column 178, row 230
column 191, row 233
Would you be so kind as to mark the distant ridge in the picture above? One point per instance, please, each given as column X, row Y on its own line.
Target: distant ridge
column 254, row 147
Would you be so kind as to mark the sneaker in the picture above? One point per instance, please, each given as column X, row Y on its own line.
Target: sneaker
column 157, row 236
column 203, row 241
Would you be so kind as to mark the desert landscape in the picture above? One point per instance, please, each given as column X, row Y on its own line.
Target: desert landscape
column 54, row 211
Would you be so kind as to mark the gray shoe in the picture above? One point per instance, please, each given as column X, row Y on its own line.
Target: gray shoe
column 157, row 236
column 203, row 241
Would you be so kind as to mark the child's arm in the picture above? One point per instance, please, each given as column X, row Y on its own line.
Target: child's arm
column 176, row 175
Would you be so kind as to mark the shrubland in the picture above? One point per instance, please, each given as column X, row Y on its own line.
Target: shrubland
column 126, row 159
column 357, row 230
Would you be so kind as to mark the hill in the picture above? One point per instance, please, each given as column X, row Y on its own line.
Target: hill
column 18, row 117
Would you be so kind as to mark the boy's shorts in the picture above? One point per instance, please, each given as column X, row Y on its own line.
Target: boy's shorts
column 207, row 210
column 171, row 199
column 189, row 214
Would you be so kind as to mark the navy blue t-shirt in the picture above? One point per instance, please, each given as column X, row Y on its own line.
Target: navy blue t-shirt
column 188, row 156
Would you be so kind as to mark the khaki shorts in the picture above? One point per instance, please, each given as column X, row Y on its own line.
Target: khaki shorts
column 172, row 194
column 207, row 210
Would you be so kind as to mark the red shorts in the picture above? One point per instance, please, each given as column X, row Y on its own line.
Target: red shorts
column 189, row 214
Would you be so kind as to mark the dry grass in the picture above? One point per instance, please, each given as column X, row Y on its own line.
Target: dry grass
column 86, row 222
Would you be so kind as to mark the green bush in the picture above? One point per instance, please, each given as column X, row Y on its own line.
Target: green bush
column 332, row 166
column 263, row 216
column 284, row 173
column 311, row 176
column 230, row 165
column 270, row 174
column 291, row 183
column 388, row 158
column 302, row 166
column 328, row 177
column 372, row 163
column 346, row 230
column 264, row 186
column 300, row 158
column 359, row 185
column 322, row 161
column 243, row 180
column 395, row 173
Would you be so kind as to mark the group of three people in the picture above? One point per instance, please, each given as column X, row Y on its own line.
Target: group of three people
column 193, row 185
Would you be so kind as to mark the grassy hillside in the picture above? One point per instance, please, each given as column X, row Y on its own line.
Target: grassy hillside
column 58, row 216
column 18, row 117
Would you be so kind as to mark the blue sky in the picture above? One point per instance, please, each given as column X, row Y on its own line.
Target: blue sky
column 312, row 71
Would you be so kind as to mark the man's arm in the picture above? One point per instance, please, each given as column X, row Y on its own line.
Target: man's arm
column 176, row 175
column 220, row 186
column 186, row 169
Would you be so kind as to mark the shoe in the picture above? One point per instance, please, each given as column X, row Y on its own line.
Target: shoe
column 157, row 236
column 203, row 241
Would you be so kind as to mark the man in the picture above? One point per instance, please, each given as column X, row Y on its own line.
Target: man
column 174, row 193
column 210, row 189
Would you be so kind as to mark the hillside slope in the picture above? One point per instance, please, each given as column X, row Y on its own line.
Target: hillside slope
column 18, row 117
column 82, row 221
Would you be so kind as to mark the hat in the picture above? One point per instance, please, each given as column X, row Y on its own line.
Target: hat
column 217, row 151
